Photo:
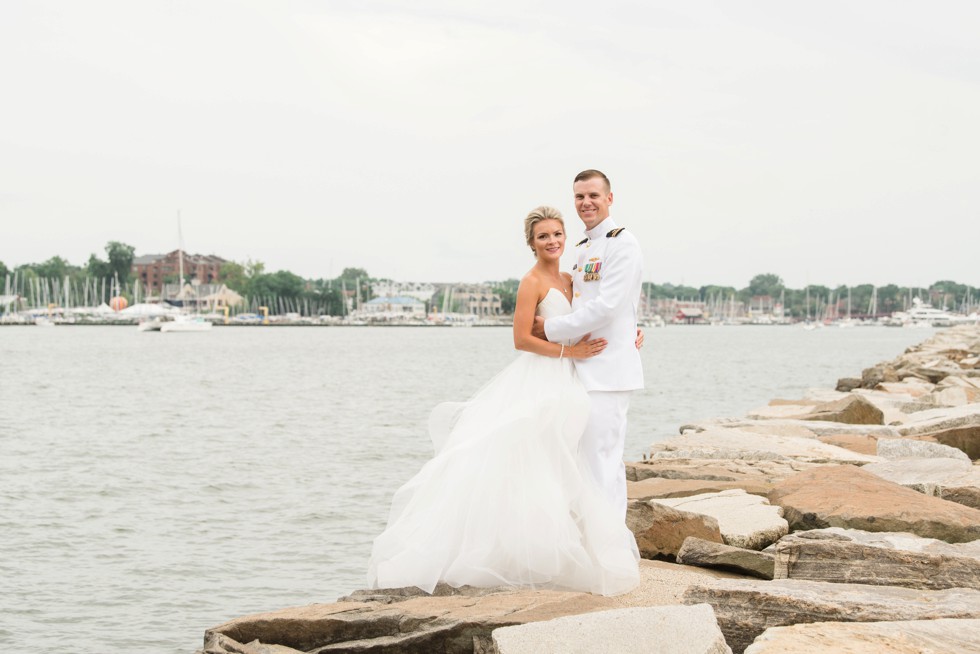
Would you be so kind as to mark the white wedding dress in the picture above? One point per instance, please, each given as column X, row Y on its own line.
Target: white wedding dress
column 506, row 500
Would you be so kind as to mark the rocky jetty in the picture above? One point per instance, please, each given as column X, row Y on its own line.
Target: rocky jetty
column 845, row 520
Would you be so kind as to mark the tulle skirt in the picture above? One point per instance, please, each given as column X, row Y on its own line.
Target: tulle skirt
column 506, row 500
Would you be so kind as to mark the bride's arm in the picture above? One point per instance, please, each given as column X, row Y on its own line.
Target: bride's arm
column 529, row 293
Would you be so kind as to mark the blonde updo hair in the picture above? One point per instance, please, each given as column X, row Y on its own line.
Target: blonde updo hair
column 536, row 216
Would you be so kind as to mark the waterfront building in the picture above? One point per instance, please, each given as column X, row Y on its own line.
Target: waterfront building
column 155, row 270
column 419, row 290
column 204, row 297
column 393, row 307
column 474, row 299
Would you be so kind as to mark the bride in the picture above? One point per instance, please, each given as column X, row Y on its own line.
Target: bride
column 506, row 501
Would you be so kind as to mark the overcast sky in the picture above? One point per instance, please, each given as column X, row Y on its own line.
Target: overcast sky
column 827, row 142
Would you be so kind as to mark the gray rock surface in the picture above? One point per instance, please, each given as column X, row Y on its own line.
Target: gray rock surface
column 706, row 554
column 655, row 630
column 887, row 539
column 902, row 448
column 849, row 562
column 740, row 444
column 745, row 520
column 906, row 637
column 745, row 609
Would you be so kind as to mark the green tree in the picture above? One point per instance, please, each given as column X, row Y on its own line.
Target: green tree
column 280, row 284
column 3, row 271
column 765, row 284
column 507, row 290
column 120, row 259
column 353, row 274
column 97, row 268
column 232, row 274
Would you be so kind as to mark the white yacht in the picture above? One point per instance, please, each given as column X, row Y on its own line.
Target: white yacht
column 185, row 323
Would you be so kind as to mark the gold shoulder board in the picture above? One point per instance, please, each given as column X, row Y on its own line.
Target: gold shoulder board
column 615, row 232
column 582, row 242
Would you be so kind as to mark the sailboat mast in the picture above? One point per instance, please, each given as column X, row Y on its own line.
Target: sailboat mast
column 180, row 255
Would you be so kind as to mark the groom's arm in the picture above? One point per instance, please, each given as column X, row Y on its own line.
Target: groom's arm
column 619, row 283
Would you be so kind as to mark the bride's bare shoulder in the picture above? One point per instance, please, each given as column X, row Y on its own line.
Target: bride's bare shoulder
column 532, row 285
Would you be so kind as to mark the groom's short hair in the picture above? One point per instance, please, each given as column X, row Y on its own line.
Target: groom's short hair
column 589, row 174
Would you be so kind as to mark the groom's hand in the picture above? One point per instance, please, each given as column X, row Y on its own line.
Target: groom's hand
column 537, row 330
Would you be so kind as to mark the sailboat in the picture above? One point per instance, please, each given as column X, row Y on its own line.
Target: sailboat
column 181, row 322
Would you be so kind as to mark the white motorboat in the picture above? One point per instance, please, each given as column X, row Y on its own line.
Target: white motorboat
column 185, row 323
column 149, row 325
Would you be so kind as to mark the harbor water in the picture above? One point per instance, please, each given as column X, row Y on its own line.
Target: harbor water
column 153, row 485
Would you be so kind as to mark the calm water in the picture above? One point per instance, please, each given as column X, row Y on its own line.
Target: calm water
column 153, row 485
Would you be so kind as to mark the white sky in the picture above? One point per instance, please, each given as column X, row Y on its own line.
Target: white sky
column 828, row 142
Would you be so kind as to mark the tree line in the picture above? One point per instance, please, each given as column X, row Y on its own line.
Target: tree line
column 283, row 289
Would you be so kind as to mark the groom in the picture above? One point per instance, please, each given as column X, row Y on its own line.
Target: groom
column 606, row 282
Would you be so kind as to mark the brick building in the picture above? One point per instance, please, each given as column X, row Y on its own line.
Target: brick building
column 153, row 270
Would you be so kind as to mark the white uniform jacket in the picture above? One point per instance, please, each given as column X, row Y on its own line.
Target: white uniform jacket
column 606, row 283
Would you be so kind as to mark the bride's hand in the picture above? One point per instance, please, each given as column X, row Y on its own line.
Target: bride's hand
column 586, row 348
column 639, row 338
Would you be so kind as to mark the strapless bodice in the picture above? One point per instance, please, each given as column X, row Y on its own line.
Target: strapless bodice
column 554, row 304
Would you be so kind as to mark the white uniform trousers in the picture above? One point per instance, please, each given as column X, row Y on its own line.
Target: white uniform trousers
column 603, row 442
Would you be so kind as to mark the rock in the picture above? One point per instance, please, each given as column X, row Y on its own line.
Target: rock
column 854, row 563
column 658, row 487
column 788, row 427
column 660, row 530
column 847, row 496
column 954, row 480
column 875, row 375
column 454, row 623
column 914, row 388
column 221, row 644
column 851, row 410
column 888, row 540
column 745, row 608
column 860, row 443
column 903, row 637
column 955, row 426
column 451, row 620
column 660, row 629
column 955, row 396
column 745, row 520
column 848, row 384
column 739, row 444
column 900, row 448
column 741, row 472
column 706, row 554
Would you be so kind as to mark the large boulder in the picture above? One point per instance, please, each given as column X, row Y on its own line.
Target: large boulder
column 850, row 562
column 745, row 608
column 791, row 427
column 456, row 621
column 659, row 487
column 746, row 445
column 848, row 496
column 659, row 629
column 744, row 473
column 896, row 637
column 950, row 479
column 852, row 410
column 957, row 427
column 707, row 554
column 903, row 448
column 660, row 530
column 407, row 622
column 745, row 520
column 893, row 540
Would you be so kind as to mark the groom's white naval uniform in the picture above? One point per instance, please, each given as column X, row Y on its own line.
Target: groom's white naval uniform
column 607, row 283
